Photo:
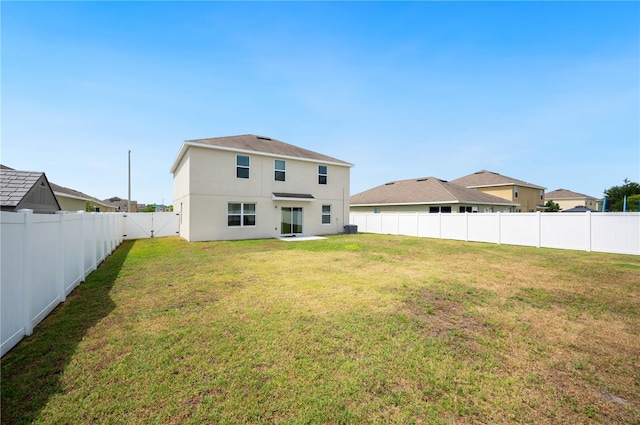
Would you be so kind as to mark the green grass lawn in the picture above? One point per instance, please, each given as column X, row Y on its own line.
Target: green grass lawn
column 351, row 329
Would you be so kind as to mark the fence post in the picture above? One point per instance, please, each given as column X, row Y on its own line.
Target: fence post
column 588, row 224
column 83, row 276
column 439, row 225
column 499, row 228
column 417, row 223
column 27, row 271
column 466, row 225
column 60, row 263
column 539, row 243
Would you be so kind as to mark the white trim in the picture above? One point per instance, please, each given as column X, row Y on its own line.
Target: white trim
column 531, row 186
column 287, row 198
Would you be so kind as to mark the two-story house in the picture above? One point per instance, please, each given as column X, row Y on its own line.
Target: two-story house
column 530, row 196
column 568, row 199
column 250, row 187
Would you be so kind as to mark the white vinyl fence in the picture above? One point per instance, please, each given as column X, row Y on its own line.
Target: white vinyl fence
column 45, row 256
column 602, row 232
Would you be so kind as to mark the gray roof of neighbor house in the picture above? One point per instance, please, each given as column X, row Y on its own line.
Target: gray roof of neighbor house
column 17, row 186
column 258, row 144
column 565, row 194
column 484, row 178
column 428, row 190
column 579, row 208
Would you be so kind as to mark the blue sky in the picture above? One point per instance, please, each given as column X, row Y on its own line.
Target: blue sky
column 546, row 92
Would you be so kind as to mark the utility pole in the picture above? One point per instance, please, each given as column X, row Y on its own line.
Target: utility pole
column 129, row 198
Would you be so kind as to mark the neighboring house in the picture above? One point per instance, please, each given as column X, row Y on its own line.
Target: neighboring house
column 26, row 190
column 568, row 199
column 248, row 187
column 528, row 195
column 73, row 200
column 427, row 194
column 121, row 204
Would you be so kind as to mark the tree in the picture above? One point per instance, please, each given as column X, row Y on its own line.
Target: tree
column 615, row 195
column 149, row 208
column 552, row 206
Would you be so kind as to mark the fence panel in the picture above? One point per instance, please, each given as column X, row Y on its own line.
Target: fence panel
column 621, row 235
column 44, row 258
column 519, row 229
column 484, row 227
column 12, row 288
column 429, row 225
column 602, row 232
column 453, row 226
column 564, row 231
column 408, row 224
column 73, row 251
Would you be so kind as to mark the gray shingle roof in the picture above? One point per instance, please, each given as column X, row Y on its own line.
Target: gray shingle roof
column 15, row 184
column 565, row 194
column 489, row 178
column 424, row 190
column 251, row 142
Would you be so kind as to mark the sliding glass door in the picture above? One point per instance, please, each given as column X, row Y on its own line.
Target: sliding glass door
column 291, row 221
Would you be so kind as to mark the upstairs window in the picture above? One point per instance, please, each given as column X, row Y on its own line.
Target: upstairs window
column 541, row 194
column 279, row 166
column 322, row 174
column 326, row 214
column 515, row 191
column 242, row 166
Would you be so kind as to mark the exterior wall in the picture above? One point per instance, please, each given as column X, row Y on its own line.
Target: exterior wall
column 181, row 199
column 212, row 184
column 528, row 197
column 72, row 204
column 566, row 204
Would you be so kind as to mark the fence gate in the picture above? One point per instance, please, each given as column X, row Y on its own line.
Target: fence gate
column 151, row 225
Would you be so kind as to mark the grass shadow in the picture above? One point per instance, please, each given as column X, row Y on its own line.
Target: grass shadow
column 31, row 371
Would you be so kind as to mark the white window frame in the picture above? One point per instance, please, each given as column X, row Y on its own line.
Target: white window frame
column 243, row 167
column 326, row 214
column 277, row 170
column 325, row 174
column 243, row 214
column 515, row 191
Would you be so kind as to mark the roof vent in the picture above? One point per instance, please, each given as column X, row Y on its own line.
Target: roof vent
column 423, row 179
column 389, row 184
column 263, row 138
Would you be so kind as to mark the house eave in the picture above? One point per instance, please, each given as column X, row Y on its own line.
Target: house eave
column 532, row 186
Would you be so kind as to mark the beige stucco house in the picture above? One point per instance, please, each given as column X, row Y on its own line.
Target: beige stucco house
column 568, row 199
column 250, row 187
column 427, row 194
column 73, row 200
column 530, row 196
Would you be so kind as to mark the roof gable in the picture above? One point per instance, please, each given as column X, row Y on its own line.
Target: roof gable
column 26, row 189
column 566, row 194
column 423, row 191
column 485, row 178
column 258, row 144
